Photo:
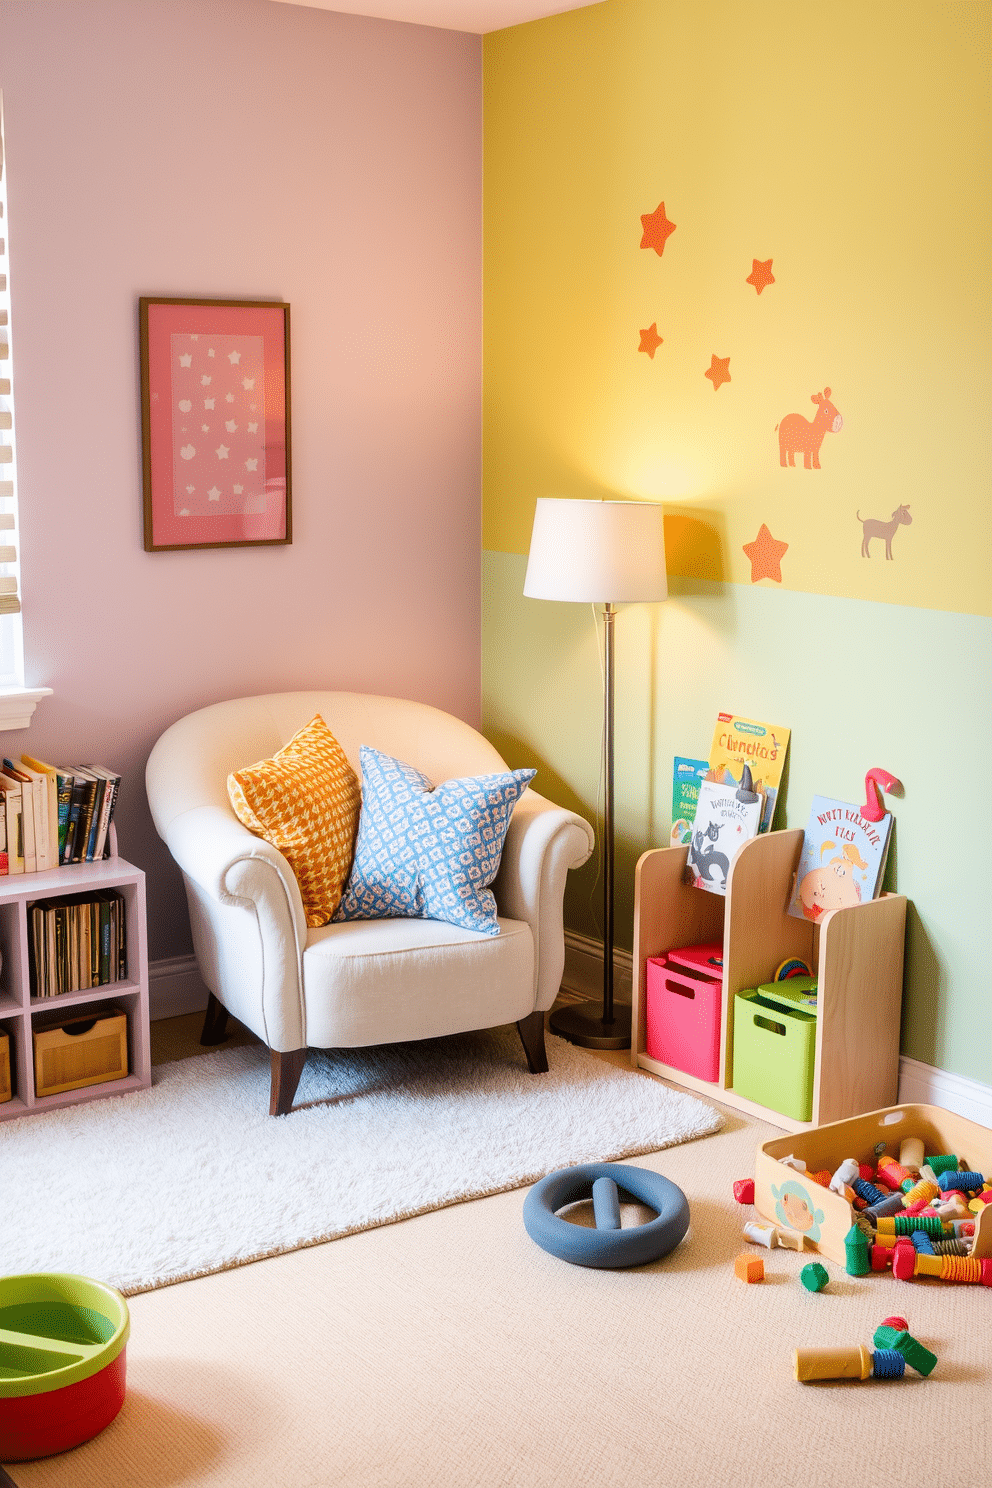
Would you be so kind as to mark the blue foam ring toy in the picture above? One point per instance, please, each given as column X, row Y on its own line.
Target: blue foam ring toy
column 608, row 1249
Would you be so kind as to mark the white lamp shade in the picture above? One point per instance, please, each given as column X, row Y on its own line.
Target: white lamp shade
column 597, row 552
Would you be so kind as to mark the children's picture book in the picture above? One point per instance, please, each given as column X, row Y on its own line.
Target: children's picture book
column 842, row 861
column 726, row 817
column 741, row 741
column 687, row 776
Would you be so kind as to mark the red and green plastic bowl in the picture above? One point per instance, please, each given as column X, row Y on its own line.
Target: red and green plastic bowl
column 62, row 1349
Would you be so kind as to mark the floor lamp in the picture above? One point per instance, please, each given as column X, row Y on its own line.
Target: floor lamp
column 608, row 553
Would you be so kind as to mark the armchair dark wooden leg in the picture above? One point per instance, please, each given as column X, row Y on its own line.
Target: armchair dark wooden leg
column 531, row 1030
column 214, row 1024
column 286, row 1072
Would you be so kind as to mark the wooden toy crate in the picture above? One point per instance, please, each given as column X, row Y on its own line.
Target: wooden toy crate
column 89, row 1049
column 789, row 1198
column 6, row 1088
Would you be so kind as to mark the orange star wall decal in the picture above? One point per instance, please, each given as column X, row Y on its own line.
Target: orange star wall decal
column 719, row 371
column 650, row 340
column 761, row 274
column 657, row 230
column 766, row 554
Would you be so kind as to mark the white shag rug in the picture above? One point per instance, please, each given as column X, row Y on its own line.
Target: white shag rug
column 193, row 1176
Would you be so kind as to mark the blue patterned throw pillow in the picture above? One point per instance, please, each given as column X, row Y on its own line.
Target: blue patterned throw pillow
column 429, row 852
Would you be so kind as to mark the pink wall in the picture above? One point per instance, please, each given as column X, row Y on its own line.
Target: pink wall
column 240, row 149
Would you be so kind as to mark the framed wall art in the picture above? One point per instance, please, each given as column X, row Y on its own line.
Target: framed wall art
column 215, row 423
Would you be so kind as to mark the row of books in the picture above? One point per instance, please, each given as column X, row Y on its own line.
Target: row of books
column 53, row 815
column 76, row 942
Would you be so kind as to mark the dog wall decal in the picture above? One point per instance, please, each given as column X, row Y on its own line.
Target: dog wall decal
column 798, row 435
column 872, row 527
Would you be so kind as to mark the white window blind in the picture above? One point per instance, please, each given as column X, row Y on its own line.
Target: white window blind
column 10, row 603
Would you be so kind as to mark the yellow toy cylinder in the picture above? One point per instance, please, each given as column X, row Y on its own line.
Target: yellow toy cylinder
column 929, row 1265
column 922, row 1193
column 912, row 1153
column 833, row 1363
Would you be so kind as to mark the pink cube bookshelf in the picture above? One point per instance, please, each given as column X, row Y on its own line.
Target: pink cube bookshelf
column 19, row 1010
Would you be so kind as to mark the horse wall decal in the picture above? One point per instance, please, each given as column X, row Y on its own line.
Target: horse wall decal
column 800, row 435
column 872, row 527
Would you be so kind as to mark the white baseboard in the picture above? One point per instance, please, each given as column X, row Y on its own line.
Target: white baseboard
column 922, row 1084
column 919, row 1084
column 175, row 988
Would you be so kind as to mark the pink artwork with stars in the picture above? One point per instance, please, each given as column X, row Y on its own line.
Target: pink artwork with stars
column 218, row 425
column 215, row 379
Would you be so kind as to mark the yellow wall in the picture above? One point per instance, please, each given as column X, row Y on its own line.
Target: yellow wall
column 848, row 145
column 841, row 143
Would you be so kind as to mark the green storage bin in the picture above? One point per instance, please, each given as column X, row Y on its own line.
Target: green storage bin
column 796, row 992
column 774, row 1053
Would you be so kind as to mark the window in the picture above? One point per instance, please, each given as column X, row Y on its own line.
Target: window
column 17, row 702
column 11, row 644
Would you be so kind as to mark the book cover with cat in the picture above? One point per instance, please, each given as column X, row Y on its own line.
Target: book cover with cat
column 842, row 860
column 762, row 747
column 727, row 816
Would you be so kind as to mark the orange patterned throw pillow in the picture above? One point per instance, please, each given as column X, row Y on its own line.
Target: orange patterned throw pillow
column 305, row 801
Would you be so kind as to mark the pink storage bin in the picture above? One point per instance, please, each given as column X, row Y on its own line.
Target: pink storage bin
column 682, row 1023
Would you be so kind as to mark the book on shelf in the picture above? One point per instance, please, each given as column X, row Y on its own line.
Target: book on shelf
column 45, row 829
column 762, row 747
column 59, row 792
column 4, row 864
column 76, row 942
column 85, row 790
column 842, row 861
column 77, row 797
column 727, row 816
column 687, row 776
column 28, row 814
column 14, row 816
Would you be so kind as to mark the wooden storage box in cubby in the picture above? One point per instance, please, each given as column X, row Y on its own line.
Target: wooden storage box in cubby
column 21, row 1014
column 856, row 955
column 86, row 1047
column 826, row 1217
column 6, row 1069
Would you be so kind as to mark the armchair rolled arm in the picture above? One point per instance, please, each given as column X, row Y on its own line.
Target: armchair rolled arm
column 544, row 841
column 231, row 866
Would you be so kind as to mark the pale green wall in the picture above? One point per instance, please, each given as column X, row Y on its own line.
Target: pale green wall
column 860, row 684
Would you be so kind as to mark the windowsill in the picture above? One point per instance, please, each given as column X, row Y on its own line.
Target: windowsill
column 17, row 705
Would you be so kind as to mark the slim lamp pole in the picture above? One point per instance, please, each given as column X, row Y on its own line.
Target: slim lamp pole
column 584, row 1023
column 608, row 618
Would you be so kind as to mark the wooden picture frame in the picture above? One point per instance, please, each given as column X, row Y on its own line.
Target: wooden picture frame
column 215, row 429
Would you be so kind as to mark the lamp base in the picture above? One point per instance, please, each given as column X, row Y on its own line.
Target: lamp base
column 582, row 1023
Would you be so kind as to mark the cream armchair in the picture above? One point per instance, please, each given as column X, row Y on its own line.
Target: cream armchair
column 360, row 982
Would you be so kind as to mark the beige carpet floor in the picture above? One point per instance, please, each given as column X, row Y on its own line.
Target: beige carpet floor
column 450, row 1350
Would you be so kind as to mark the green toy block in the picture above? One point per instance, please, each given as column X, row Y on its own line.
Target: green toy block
column 814, row 1277
column 916, row 1356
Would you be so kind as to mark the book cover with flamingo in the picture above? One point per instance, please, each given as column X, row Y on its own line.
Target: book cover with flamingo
column 842, row 861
